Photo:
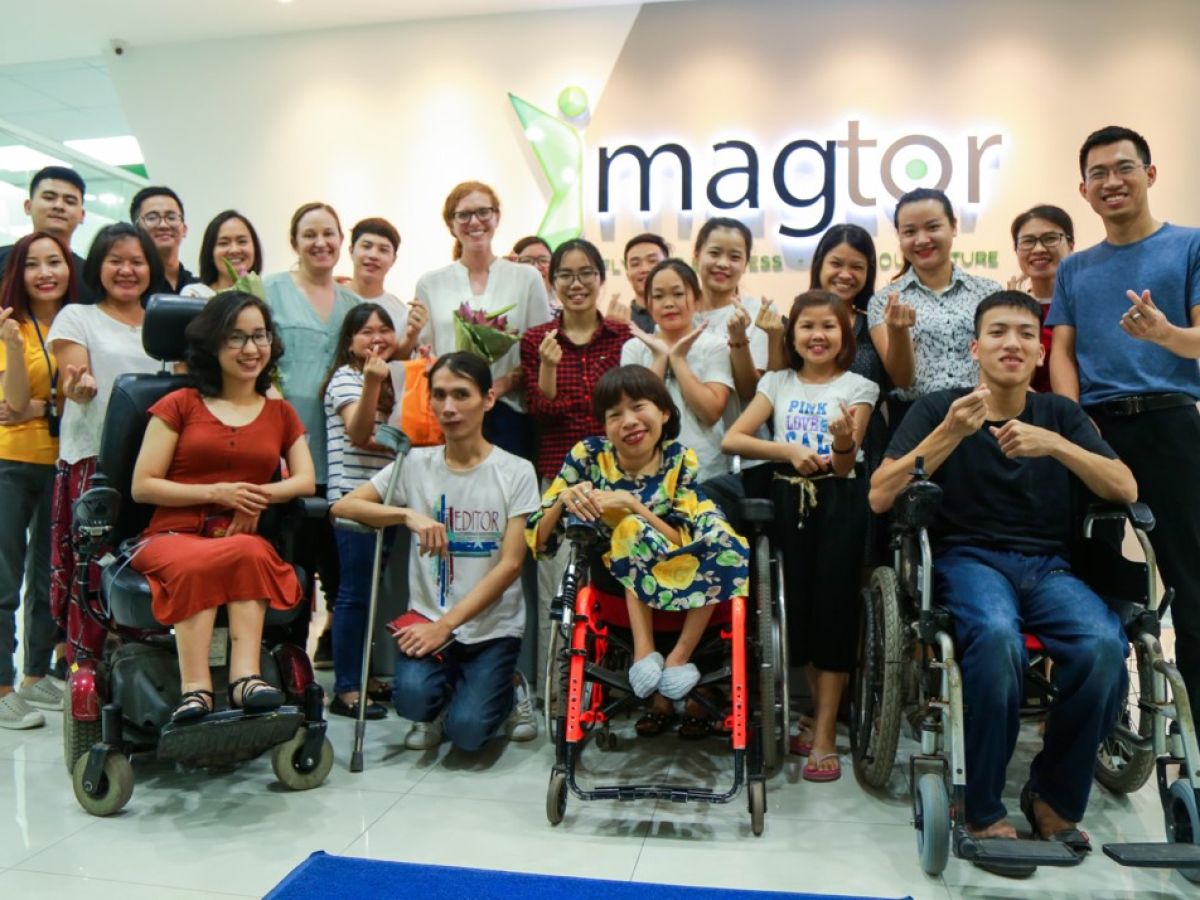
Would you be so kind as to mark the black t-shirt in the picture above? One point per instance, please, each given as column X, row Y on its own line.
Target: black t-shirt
column 163, row 286
column 82, row 293
column 992, row 501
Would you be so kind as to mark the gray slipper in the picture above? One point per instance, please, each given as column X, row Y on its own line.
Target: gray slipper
column 678, row 681
column 645, row 674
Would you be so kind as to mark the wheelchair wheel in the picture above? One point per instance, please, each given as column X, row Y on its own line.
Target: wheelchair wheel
column 556, row 797
column 772, row 658
column 931, row 808
column 113, row 791
column 552, row 684
column 78, row 736
column 758, row 806
column 293, row 772
column 1183, row 820
column 877, row 696
column 1120, row 766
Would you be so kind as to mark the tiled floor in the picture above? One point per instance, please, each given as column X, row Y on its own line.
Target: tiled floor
column 237, row 834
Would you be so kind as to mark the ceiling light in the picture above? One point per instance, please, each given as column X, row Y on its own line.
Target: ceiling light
column 116, row 151
column 19, row 158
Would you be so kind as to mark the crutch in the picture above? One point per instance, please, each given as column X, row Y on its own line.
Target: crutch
column 391, row 438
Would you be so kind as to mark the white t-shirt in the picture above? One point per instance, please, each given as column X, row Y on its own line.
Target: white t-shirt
column 196, row 289
column 475, row 505
column 718, row 327
column 801, row 411
column 444, row 290
column 709, row 361
column 348, row 465
column 114, row 348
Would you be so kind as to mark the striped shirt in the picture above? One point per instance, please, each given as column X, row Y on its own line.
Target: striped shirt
column 349, row 466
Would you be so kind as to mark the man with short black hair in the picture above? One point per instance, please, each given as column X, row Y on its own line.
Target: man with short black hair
column 642, row 253
column 55, row 206
column 1126, row 319
column 158, row 211
column 1008, row 461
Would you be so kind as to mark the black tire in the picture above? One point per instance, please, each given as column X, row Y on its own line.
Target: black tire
column 772, row 741
column 556, row 797
column 292, row 771
column 758, row 806
column 877, row 698
column 114, row 790
column 932, row 808
column 78, row 736
column 1120, row 766
column 1183, row 820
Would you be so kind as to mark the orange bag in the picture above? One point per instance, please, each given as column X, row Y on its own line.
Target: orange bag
column 413, row 413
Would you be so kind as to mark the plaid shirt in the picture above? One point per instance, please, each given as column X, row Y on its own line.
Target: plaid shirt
column 567, row 419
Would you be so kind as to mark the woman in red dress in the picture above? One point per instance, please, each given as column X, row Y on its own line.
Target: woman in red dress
column 207, row 462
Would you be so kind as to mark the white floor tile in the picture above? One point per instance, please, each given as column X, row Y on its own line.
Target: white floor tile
column 37, row 807
column 19, row 883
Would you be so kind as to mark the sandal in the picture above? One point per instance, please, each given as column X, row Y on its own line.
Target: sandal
column 1078, row 841
column 694, row 728
column 813, row 772
column 257, row 695
column 652, row 724
column 192, row 706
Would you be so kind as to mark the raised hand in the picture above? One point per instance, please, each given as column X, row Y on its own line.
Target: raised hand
column 898, row 315
column 656, row 344
column 738, row 322
column 685, row 343
column 1019, row 439
column 618, row 310
column 967, row 414
column 418, row 315
column 1018, row 282
column 1145, row 321
column 241, row 496
column 550, row 349
column 375, row 367
column 79, row 385
column 10, row 333
column 843, row 425
column 769, row 319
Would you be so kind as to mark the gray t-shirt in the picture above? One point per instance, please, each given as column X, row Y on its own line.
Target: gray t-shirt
column 476, row 506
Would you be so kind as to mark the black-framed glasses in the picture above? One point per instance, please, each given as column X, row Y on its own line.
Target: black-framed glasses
column 155, row 218
column 585, row 276
column 483, row 214
column 534, row 260
column 1125, row 169
column 239, row 339
column 1051, row 240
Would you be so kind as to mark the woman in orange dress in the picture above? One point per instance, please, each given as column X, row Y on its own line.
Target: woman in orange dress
column 207, row 462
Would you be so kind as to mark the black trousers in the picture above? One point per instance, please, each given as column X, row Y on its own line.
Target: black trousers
column 822, row 569
column 1163, row 450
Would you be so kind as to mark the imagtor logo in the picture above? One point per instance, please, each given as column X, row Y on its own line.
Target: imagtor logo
column 559, row 151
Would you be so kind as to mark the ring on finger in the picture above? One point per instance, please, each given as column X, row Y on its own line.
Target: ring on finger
column 1135, row 316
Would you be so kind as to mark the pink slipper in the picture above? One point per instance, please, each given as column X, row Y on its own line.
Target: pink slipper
column 813, row 772
column 798, row 746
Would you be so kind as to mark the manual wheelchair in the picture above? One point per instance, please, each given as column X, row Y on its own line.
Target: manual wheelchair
column 591, row 648
column 908, row 677
column 120, row 694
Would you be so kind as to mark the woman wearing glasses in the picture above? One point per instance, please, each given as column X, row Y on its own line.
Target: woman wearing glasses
column 485, row 283
column 1042, row 236
column 533, row 251
column 207, row 462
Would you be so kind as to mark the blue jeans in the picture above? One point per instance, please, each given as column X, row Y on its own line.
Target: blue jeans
column 472, row 683
column 356, row 554
column 993, row 597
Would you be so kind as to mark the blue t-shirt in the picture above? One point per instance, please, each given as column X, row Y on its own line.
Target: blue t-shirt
column 1090, row 297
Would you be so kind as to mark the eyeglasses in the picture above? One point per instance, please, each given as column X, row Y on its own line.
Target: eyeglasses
column 1125, row 169
column 154, row 218
column 1050, row 240
column 238, row 340
column 585, row 276
column 483, row 214
column 534, row 260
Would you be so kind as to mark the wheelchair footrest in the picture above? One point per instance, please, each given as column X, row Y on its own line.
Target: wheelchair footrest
column 1155, row 856
column 228, row 737
column 1024, row 852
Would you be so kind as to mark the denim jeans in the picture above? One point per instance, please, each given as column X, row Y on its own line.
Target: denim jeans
column 356, row 555
column 994, row 596
column 472, row 683
column 25, row 490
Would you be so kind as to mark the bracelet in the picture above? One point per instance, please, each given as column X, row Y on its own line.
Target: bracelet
column 840, row 452
column 736, row 344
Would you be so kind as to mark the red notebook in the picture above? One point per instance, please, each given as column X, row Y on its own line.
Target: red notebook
column 412, row 617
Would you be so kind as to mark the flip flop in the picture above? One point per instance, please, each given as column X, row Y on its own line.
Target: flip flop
column 1078, row 841
column 799, row 747
column 813, row 772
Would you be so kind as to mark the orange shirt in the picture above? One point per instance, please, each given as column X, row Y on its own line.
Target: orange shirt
column 30, row 441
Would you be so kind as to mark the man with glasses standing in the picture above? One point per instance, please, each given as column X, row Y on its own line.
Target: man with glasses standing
column 1126, row 318
column 158, row 211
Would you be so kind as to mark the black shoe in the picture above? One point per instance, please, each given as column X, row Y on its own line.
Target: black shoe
column 192, row 706
column 323, row 655
column 339, row 707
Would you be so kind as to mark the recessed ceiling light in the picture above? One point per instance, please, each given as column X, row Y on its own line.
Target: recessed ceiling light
column 116, row 151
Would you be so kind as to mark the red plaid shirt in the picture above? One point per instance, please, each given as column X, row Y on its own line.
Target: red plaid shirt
column 567, row 419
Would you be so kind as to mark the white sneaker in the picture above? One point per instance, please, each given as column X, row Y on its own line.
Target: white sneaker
column 521, row 724
column 43, row 693
column 424, row 735
column 17, row 714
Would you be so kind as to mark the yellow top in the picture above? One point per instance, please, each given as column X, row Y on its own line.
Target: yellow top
column 30, row 441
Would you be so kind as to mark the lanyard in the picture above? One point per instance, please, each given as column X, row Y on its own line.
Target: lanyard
column 49, row 363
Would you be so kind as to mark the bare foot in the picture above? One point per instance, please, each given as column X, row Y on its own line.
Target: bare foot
column 1001, row 829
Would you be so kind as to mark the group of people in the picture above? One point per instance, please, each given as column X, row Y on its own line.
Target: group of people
column 650, row 417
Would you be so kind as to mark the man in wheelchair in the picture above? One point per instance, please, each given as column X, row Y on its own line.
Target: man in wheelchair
column 1006, row 459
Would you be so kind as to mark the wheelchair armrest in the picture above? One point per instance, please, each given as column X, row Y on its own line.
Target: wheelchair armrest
column 1137, row 514
column 95, row 514
column 306, row 508
column 352, row 525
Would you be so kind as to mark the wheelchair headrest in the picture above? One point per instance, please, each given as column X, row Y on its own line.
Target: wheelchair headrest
column 167, row 316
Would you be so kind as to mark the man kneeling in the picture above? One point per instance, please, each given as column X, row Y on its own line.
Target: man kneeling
column 1006, row 458
column 466, row 505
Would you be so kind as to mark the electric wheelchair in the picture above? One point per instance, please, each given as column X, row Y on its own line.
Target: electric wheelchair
column 120, row 695
column 591, row 649
column 909, row 678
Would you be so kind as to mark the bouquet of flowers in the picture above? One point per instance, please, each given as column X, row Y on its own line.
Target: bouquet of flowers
column 487, row 335
column 247, row 281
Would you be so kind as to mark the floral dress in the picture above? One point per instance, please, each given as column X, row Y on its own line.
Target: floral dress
column 710, row 565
